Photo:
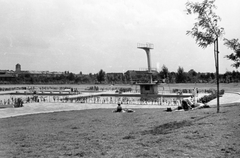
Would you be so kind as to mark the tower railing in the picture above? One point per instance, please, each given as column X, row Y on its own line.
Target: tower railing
column 146, row 45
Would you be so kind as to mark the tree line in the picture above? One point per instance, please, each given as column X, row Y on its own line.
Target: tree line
column 163, row 76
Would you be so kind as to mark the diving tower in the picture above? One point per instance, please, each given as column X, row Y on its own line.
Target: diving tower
column 150, row 87
column 147, row 47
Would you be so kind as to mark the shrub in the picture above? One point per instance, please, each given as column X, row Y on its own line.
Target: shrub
column 125, row 89
column 213, row 95
column 222, row 92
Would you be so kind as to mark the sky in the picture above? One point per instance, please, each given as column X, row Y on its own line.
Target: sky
column 89, row 35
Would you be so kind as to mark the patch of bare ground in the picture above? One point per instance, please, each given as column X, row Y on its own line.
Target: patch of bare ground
column 144, row 133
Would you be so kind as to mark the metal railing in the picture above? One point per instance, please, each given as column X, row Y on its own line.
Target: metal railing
column 147, row 45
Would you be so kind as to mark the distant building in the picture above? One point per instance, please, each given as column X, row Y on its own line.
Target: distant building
column 115, row 77
column 136, row 76
column 19, row 72
column 18, row 68
column 6, row 75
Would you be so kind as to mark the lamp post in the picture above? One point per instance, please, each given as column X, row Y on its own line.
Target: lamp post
column 216, row 52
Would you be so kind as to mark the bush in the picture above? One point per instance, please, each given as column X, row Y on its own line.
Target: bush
column 125, row 89
column 207, row 98
column 222, row 92
column 93, row 88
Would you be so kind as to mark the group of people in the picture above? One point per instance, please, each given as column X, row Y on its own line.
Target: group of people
column 188, row 104
column 14, row 102
column 126, row 100
column 30, row 99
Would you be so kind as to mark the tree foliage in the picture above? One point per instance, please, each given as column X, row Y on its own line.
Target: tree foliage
column 101, row 76
column 204, row 29
column 164, row 72
column 192, row 76
column 181, row 77
column 235, row 46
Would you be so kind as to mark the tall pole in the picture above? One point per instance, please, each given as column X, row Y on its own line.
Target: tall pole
column 148, row 60
column 217, row 70
column 218, row 106
column 216, row 53
column 149, row 64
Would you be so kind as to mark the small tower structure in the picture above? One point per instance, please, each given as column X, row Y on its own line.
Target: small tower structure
column 18, row 68
column 150, row 87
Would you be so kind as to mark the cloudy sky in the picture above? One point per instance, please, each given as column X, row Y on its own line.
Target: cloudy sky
column 89, row 35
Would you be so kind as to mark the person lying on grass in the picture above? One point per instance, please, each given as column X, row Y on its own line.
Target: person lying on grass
column 120, row 109
column 187, row 104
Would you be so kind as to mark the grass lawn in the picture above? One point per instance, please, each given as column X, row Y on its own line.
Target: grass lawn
column 144, row 133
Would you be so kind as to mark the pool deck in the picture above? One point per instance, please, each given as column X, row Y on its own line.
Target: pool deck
column 42, row 107
column 72, row 95
column 27, row 92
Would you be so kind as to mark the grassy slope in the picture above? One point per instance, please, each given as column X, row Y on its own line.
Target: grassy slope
column 145, row 133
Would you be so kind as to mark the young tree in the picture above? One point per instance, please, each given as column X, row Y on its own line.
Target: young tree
column 205, row 30
column 192, row 76
column 180, row 77
column 164, row 72
column 101, row 76
column 71, row 76
column 235, row 46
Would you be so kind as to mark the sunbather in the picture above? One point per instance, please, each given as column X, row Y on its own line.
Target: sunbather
column 119, row 108
column 187, row 104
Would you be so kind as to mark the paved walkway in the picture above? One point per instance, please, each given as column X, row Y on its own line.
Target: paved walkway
column 34, row 108
column 227, row 98
column 13, row 91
